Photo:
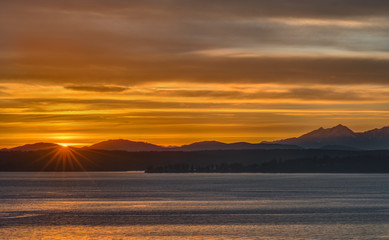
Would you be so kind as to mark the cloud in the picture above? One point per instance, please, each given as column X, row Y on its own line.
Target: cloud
column 2, row 93
column 216, row 8
column 95, row 66
column 96, row 88
column 41, row 104
column 203, row 69
column 133, row 42
column 299, row 93
column 115, row 106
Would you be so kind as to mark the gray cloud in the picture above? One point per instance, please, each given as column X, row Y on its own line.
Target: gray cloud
column 332, row 8
column 132, row 42
column 215, row 69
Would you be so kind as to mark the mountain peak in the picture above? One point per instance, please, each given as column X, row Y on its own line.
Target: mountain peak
column 341, row 129
column 340, row 126
column 337, row 131
column 341, row 135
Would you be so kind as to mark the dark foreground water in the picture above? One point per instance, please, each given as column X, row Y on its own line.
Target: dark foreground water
column 125, row 205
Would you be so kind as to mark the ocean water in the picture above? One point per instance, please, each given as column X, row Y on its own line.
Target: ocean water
column 128, row 205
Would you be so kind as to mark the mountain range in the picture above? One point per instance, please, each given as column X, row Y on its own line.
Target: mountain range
column 336, row 138
column 131, row 146
column 342, row 137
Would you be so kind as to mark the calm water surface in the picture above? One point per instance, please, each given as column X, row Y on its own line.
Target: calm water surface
column 125, row 205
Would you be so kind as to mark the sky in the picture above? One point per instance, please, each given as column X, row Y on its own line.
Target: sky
column 172, row 72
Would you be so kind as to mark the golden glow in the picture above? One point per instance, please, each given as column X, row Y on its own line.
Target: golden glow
column 78, row 74
column 173, row 114
column 328, row 22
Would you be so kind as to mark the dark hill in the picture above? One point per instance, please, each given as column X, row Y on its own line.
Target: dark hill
column 126, row 145
column 32, row 147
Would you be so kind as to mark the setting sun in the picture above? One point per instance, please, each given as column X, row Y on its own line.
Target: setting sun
column 101, row 74
column 188, row 119
column 63, row 158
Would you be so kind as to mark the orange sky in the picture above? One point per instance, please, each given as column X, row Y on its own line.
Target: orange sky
column 175, row 72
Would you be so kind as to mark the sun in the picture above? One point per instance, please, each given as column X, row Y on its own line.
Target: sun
column 63, row 144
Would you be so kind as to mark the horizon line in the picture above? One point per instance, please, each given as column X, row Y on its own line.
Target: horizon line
column 81, row 145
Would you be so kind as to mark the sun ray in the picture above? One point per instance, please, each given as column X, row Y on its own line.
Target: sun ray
column 64, row 158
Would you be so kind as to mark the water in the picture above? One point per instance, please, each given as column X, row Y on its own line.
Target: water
column 123, row 205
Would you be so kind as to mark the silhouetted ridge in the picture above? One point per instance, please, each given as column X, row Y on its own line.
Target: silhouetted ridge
column 205, row 145
column 339, row 137
column 339, row 147
column 32, row 147
column 338, row 131
column 214, row 145
column 126, row 145
column 342, row 136
column 130, row 146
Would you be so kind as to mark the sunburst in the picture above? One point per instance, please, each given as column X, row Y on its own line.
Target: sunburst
column 65, row 158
